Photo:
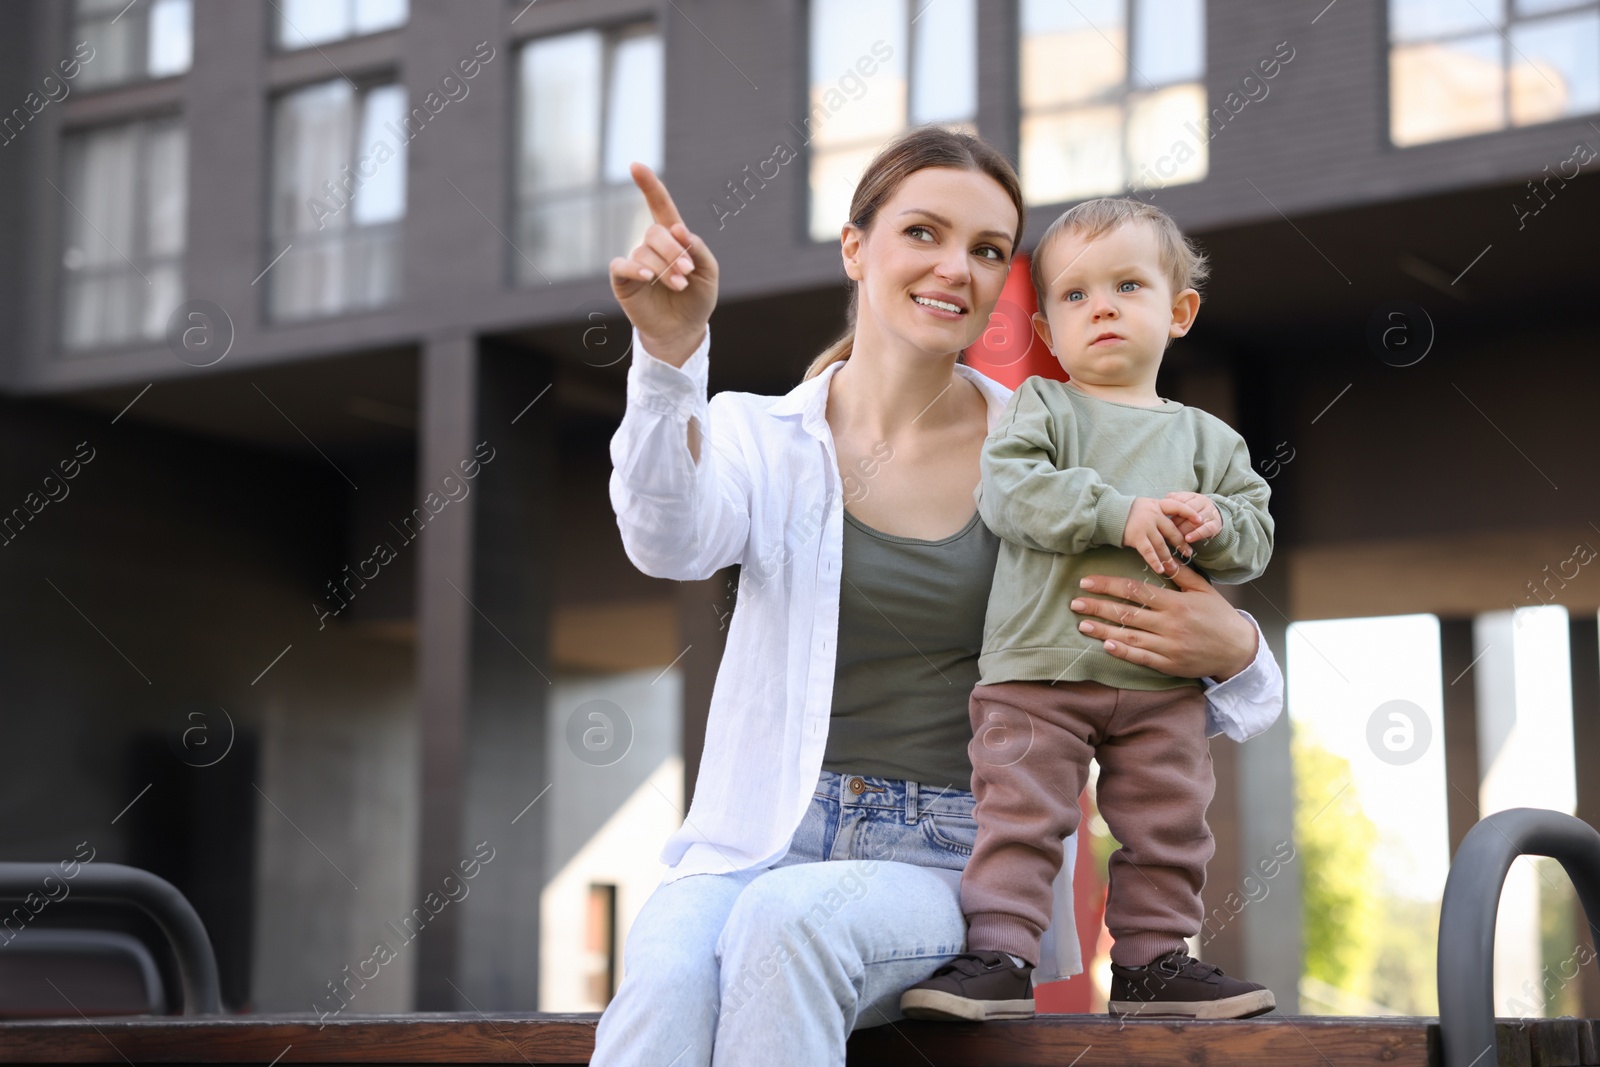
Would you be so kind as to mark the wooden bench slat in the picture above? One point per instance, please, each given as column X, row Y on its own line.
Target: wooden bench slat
column 412, row 1038
column 533, row 1038
column 1088, row 1041
column 1556, row 1042
column 1512, row 1045
column 1589, row 1042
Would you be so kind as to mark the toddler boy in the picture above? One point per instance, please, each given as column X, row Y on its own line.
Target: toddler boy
column 1099, row 475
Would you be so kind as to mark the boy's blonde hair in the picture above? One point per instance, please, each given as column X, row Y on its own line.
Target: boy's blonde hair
column 1185, row 265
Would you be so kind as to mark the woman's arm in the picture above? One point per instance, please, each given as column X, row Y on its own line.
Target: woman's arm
column 679, row 483
column 682, row 516
column 1190, row 632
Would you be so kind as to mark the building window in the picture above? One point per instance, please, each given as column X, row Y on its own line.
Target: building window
column 133, row 41
column 875, row 66
column 303, row 23
column 590, row 104
column 338, row 199
column 1113, row 97
column 1460, row 67
column 126, row 188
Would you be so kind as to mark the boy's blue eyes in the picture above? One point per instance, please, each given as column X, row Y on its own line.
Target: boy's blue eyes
column 1122, row 287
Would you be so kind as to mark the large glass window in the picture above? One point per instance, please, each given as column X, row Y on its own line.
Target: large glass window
column 877, row 66
column 131, row 41
column 1113, row 96
column 126, row 191
column 303, row 23
column 338, row 199
column 1460, row 67
column 591, row 103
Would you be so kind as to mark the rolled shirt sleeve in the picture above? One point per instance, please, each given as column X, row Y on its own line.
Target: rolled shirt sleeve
column 1245, row 705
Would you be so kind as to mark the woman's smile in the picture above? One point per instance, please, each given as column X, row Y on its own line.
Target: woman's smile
column 941, row 305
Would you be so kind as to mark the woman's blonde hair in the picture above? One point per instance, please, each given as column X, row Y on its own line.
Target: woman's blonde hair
column 917, row 149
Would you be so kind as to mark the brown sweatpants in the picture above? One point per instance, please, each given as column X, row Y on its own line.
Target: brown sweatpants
column 1030, row 749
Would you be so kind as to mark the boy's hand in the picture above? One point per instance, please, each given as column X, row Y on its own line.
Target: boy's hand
column 1211, row 519
column 1151, row 532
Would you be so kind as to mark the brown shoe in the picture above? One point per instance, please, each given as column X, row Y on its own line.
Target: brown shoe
column 973, row 987
column 1178, row 986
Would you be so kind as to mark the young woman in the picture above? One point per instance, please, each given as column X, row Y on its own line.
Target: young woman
column 838, row 726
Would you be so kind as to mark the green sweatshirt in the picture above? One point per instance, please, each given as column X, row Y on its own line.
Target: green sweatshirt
column 1060, row 471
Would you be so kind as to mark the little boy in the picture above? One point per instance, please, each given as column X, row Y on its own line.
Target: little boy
column 1099, row 475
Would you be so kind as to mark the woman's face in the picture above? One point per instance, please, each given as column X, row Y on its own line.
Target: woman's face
column 930, row 269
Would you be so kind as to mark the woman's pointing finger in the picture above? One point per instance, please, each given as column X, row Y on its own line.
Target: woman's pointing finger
column 662, row 209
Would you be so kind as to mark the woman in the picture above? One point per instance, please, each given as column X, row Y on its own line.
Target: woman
column 838, row 726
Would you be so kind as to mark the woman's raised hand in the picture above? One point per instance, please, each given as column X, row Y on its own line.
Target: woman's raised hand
column 668, row 285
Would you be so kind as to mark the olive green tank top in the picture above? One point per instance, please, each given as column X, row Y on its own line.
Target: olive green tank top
column 911, row 616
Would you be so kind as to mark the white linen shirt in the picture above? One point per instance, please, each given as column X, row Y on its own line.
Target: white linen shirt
column 767, row 494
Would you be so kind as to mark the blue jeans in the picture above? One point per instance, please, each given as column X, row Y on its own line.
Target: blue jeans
column 776, row 966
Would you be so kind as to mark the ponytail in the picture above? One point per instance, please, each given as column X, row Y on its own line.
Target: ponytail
column 840, row 349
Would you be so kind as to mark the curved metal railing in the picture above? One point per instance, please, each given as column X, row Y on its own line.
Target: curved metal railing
column 1471, row 899
column 157, row 897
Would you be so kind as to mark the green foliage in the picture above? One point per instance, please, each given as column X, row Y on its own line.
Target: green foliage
column 1404, row 970
column 1558, row 937
column 1334, row 840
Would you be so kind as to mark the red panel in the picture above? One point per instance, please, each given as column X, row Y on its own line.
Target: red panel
column 1009, row 351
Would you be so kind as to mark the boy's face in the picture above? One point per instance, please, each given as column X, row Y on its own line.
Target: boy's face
column 1108, row 308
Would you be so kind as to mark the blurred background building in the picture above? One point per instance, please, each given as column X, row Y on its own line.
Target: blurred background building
column 313, row 594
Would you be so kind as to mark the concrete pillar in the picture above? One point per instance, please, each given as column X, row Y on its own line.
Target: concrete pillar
column 1273, row 951
column 449, row 381
column 1461, row 770
column 1517, row 954
column 514, row 558
column 484, row 593
column 1584, row 645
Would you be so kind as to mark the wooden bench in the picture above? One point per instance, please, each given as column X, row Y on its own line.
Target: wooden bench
column 534, row 1039
column 1466, row 942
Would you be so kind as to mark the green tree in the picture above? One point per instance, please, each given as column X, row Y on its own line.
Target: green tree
column 1405, row 967
column 1558, row 935
column 1333, row 844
